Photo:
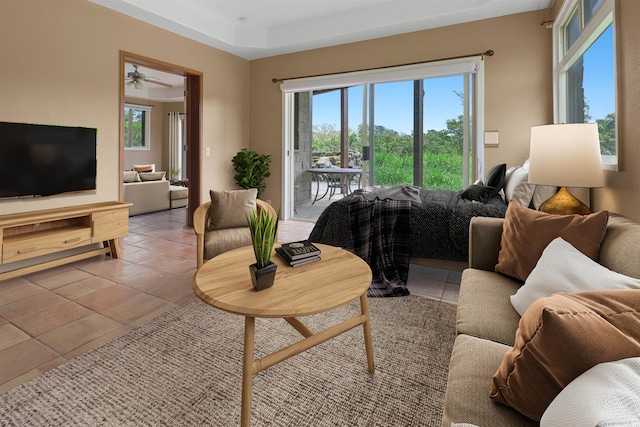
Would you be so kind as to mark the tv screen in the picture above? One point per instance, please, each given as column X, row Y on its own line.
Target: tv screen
column 42, row 160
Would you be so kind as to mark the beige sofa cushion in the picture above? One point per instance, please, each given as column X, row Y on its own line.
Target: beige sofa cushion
column 149, row 196
column 152, row 176
column 131, row 176
column 484, row 308
column 178, row 192
column 527, row 232
column 231, row 208
column 473, row 362
column 559, row 338
column 619, row 248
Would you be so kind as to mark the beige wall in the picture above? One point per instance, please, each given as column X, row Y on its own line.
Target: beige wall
column 622, row 191
column 518, row 81
column 60, row 64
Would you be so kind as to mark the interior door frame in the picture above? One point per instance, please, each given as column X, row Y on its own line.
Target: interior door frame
column 194, row 122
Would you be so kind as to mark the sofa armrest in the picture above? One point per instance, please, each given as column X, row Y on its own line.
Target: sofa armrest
column 484, row 242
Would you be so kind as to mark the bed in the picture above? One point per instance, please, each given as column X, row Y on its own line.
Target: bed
column 439, row 219
column 439, row 223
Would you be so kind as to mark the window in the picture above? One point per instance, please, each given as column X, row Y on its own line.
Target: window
column 390, row 123
column 137, row 120
column 584, row 70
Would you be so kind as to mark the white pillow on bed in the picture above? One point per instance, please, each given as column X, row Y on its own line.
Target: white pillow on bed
column 542, row 193
column 563, row 268
column 524, row 193
column 606, row 395
column 517, row 187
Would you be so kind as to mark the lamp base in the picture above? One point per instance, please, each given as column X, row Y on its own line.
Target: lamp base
column 564, row 203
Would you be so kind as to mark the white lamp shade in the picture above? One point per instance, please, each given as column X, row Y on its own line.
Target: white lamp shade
column 566, row 155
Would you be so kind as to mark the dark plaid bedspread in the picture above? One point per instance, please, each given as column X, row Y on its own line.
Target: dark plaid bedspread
column 380, row 232
column 439, row 226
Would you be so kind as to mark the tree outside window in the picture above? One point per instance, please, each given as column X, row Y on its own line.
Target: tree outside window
column 585, row 70
column 136, row 127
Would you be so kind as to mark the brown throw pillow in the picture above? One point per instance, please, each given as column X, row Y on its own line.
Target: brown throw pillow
column 559, row 338
column 230, row 209
column 527, row 232
column 145, row 168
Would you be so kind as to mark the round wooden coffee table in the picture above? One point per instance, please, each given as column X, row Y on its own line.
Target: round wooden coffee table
column 338, row 278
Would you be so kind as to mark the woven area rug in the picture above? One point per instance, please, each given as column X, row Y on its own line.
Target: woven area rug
column 184, row 369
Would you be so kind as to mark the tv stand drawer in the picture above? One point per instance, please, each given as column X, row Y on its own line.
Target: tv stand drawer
column 30, row 245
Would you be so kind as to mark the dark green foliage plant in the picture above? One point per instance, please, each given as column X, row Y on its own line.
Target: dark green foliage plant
column 251, row 169
column 607, row 130
column 442, row 160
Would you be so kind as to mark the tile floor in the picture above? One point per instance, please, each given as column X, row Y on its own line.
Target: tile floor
column 49, row 317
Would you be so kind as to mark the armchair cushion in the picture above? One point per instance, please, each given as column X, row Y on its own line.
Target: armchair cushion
column 219, row 241
column 230, row 209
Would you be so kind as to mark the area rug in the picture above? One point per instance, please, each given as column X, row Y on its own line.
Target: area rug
column 184, row 369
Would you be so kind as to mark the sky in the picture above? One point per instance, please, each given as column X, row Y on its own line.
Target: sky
column 394, row 101
column 394, row 105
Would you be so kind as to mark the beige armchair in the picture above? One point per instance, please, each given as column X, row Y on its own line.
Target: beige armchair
column 214, row 242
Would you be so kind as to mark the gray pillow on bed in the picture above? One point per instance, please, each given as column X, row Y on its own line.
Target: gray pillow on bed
column 479, row 193
column 496, row 176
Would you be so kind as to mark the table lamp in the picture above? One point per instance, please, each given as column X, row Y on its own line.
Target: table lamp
column 565, row 155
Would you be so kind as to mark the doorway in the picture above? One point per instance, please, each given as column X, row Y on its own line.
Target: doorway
column 193, row 123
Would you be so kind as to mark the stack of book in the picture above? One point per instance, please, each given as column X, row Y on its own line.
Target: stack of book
column 299, row 253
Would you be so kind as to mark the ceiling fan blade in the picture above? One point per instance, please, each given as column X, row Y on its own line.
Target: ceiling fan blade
column 159, row 83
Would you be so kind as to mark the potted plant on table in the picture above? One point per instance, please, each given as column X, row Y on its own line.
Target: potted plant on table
column 263, row 227
column 251, row 169
column 175, row 174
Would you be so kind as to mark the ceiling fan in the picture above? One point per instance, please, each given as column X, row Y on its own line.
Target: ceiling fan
column 136, row 78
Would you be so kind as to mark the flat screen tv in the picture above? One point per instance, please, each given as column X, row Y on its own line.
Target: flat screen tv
column 42, row 160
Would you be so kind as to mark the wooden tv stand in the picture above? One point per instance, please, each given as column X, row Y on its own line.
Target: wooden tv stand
column 28, row 235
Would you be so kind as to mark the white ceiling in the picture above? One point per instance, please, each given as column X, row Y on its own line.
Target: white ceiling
column 255, row 29
column 153, row 91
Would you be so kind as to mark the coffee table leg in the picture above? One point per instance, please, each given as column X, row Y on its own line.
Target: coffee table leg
column 366, row 326
column 247, row 371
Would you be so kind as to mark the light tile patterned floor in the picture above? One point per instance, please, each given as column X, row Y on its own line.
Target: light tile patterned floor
column 49, row 317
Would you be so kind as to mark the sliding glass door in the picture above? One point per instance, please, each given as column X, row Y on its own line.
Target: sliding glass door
column 421, row 131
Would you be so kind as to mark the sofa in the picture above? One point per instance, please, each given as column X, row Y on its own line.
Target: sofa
column 487, row 324
column 151, row 192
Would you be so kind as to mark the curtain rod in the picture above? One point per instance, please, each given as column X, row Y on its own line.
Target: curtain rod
column 482, row 54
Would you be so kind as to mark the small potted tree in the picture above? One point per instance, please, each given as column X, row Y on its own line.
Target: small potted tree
column 263, row 227
column 174, row 174
column 251, row 169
